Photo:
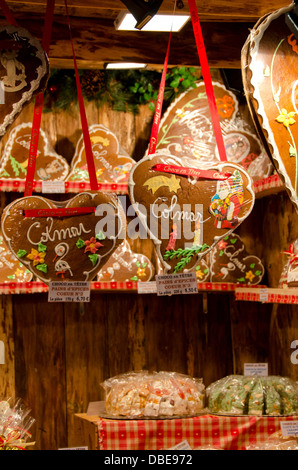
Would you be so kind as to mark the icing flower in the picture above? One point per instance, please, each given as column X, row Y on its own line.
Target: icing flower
column 141, row 272
column 286, row 118
column 249, row 275
column 92, row 245
column 188, row 140
column 199, row 274
column 36, row 256
column 222, row 244
column 181, row 113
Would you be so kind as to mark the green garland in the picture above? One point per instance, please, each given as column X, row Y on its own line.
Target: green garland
column 123, row 90
column 185, row 255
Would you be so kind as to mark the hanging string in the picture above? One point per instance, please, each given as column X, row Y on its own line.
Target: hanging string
column 207, row 78
column 85, row 129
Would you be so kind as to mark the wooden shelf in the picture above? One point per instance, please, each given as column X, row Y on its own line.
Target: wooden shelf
column 263, row 187
column 267, row 295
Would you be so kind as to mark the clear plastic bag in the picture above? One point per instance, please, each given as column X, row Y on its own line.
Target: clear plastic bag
column 257, row 396
column 160, row 394
column 15, row 422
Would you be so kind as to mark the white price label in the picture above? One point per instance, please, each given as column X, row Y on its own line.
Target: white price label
column 289, row 428
column 263, row 294
column 69, row 291
column 147, row 287
column 256, row 369
column 171, row 284
column 53, row 187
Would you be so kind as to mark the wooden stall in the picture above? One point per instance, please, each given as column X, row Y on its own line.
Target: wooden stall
column 57, row 355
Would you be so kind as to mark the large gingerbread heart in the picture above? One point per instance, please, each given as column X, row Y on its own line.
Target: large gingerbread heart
column 14, row 161
column 186, row 211
column 270, row 70
column 126, row 265
column 24, row 71
column 112, row 164
column 70, row 247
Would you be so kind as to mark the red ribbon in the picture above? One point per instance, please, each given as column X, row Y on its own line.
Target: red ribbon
column 159, row 102
column 85, row 129
column 207, row 78
column 195, row 172
column 46, row 39
column 59, row 212
column 292, row 254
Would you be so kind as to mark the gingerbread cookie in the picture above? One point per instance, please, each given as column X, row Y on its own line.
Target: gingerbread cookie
column 24, row 71
column 11, row 269
column 230, row 262
column 73, row 246
column 125, row 265
column 186, row 128
column 14, row 162
column 112, row 165
column 270, row 68
column 187, row 207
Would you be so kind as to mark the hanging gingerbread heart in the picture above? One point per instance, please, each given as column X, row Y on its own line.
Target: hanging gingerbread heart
column 14, row 161
column 230, row 262
column 71, row 244
column 24, row 71
column 112, row 164
column 126, row 265
column 187, row 207
column 270, row 69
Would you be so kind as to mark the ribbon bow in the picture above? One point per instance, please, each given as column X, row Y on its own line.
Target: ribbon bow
column 292, row 254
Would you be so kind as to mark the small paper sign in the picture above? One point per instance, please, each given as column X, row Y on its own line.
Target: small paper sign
column 53, row 187
column 256, row 369
column 264, row 294
column 171, row 284
column 69, row 291
column 289, row 428
column 145, row 287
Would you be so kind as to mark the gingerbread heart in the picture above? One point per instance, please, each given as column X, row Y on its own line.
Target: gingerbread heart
column 112, row 165
column 71, row 247
column 270, row 68
column 14, row 162
column 187, row 207
column 11, row 269
column 24, row 71
column 125, row 265
column 230, row 262
column 186, row 128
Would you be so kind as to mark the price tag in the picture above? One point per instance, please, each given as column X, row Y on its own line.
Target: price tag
column 256, row 369
column 171, row 284
column 263, row 294
column 53, row 187
column 69, row 291
column 147, row 287
column 289, row 428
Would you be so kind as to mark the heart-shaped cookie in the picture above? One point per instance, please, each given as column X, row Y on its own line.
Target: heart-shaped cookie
column 14, row 161
column 186, row 128
column 270, row 70
column 126, row 265
column 112, row 164
column 70, row 247
column 230, row 262
column 185, row 210
column 11, row 269
column 24, row 71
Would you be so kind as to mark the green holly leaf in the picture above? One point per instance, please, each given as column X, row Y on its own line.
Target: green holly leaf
column 93, row 258
column 21, row 253
column 42, row 248
column 42, row 267
column 80, row 243
column 252, row 265
column 134, row 278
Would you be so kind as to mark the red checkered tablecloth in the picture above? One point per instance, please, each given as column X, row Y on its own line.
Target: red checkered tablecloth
column 224, row 432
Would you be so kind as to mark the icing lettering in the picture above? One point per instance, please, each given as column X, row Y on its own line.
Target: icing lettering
column 168, row 213
column 62, row 234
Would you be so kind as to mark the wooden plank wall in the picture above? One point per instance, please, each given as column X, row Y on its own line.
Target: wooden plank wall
column 57, row 356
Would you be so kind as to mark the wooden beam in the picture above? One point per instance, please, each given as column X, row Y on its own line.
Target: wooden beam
column 96, row 42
